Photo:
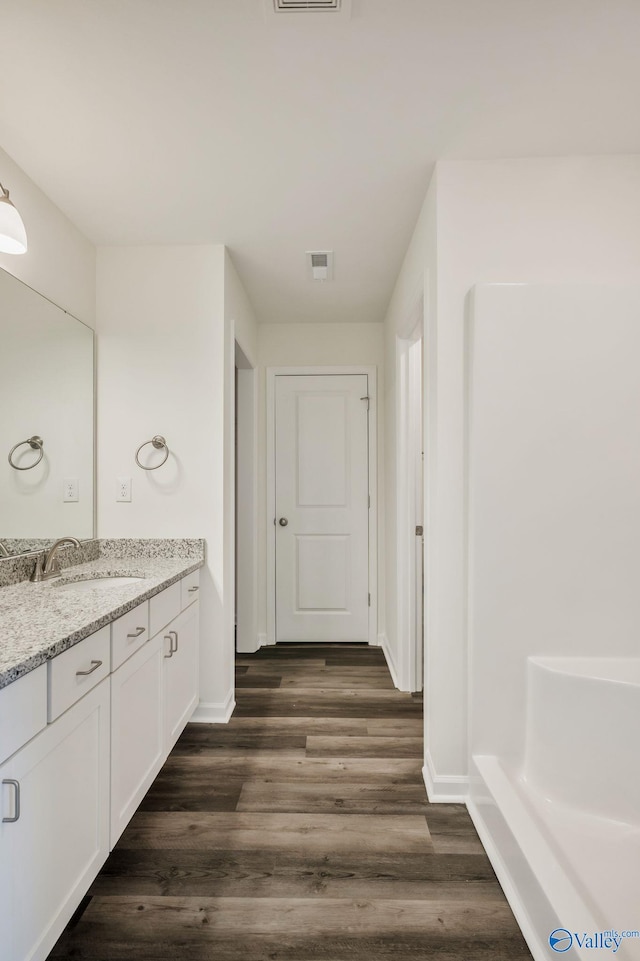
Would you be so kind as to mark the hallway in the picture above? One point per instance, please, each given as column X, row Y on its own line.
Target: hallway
column 300, row 831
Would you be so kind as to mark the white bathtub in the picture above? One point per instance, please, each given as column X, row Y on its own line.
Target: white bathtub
column 562, row 828
column 583, row 734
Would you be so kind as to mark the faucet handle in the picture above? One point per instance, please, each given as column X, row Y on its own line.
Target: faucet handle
column 38, row 569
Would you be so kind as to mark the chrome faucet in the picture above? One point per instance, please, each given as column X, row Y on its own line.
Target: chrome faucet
column 47, row 565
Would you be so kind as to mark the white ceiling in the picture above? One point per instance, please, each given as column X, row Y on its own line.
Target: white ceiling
column 199, row 121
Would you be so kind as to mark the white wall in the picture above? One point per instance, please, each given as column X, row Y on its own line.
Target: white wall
column 60, row 262
column 309, row 345
column 541, row 220
column 161, row 370
column 554, row 455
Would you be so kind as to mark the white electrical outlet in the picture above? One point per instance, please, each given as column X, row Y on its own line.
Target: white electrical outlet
column 70, row 490
column 123, row 489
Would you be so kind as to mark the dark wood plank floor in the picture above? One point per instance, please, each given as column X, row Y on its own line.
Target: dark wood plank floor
column 300, row 831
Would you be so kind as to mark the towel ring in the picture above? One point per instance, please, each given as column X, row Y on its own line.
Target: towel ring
column 159, row 443
column 36, row 443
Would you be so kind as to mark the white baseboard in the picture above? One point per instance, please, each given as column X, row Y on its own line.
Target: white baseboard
column 247, row 645
column 211, row 712
column 252, row 645
column 444, row 788
column 383, row 642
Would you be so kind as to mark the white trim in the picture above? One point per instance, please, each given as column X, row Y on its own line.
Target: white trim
column 409, row 444
column 211, row 712
column 372, row 389
column 443, row 788
column 383, row 642
column 246, row 645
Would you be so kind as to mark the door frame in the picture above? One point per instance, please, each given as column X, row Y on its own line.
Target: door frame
column 271, row 374
column 409, row 667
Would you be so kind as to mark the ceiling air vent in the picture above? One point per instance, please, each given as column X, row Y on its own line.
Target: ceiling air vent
column 292, row 9
column 320, row 264
column 283, row 5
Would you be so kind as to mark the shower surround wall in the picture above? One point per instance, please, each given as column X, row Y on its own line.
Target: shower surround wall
column 553, row 444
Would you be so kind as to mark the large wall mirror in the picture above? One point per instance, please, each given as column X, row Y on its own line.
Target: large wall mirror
column 46, row 421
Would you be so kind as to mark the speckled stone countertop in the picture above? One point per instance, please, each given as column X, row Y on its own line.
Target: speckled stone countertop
column 39, row 621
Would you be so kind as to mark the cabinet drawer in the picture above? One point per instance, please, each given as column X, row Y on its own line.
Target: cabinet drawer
column 163, row 608
column 190, row 587
column 77, row 671
column 129, row 633
column 23, row 710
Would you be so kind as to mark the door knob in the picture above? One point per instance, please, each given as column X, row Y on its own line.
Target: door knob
column 283, row 522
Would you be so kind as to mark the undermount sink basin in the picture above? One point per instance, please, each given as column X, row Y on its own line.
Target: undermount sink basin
column 100, row 582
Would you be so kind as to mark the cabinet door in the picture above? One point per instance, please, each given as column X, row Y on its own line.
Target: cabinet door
column 52, row 853
column 181, row 662
column 137, row 749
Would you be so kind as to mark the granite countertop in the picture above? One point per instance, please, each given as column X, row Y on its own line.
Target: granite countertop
column 39, row 621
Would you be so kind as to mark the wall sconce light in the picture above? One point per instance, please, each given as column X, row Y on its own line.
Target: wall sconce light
column 13, row 236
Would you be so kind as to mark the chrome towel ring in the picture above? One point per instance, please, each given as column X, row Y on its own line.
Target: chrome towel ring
column 36, row 443
column 159, row 443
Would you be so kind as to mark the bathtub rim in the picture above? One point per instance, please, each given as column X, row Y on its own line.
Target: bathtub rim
column 588, row 668
column 520, row 846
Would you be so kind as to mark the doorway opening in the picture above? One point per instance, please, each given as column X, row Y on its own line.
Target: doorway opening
column 246, row 505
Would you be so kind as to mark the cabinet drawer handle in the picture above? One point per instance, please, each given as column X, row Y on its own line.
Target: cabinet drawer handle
column 192, row 589
column 170, row 639
column 138, row 631
column 16, row 816
column 94, row 667
column 174, row 649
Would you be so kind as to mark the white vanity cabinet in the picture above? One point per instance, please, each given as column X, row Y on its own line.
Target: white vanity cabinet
column 153, row 694
column 54, row 834
column 115, row 704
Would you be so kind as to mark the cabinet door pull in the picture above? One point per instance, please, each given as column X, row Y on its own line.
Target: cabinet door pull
column 138, row 631
column 174, row 649
column 16, row 816
column 192, row 589
column 94, row 667
column 170, row 639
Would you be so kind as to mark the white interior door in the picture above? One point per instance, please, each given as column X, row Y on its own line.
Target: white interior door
column 321, row 507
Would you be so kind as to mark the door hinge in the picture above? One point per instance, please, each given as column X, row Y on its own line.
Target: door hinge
column 368, row 400
column 369, row 596
column 369, row 501
column 419, row 530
